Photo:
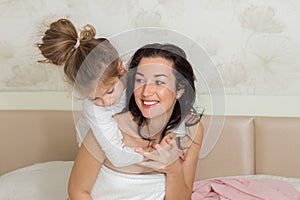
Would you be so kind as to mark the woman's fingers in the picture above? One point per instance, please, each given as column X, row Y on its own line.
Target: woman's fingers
column 153, row 155
column 165, row 155
column 152, row 165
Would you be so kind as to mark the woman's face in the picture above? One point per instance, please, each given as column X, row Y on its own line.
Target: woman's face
column 154, row 88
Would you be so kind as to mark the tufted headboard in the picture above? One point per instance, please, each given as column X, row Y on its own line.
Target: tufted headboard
column 29, row 137
column 254, row 145
column 247, row 145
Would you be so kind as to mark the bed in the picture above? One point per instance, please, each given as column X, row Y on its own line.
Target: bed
column 37, row 153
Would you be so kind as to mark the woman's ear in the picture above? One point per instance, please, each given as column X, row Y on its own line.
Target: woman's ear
column 179, row 93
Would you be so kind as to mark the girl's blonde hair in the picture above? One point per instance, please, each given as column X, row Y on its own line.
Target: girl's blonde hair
column 85, row 58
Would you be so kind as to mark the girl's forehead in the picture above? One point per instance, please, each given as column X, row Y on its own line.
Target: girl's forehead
column 107, row 82
column 101, row 84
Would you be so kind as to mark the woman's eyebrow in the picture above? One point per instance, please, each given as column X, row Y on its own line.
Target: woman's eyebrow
column 155, row 75
column 138, row 73
column 159, row 75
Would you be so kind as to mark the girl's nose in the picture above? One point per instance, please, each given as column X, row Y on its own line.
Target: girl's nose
column 103, row 102
column 107, row 101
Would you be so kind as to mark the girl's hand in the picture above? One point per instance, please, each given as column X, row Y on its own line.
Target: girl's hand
column 163, row 156
column 168, row 139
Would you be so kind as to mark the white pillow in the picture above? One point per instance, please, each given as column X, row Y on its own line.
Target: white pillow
column 46, row 181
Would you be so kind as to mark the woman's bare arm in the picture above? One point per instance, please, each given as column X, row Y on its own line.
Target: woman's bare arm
column 180, row 173
column 85, row 170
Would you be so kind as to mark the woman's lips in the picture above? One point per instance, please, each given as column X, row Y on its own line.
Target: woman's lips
column 149, row 103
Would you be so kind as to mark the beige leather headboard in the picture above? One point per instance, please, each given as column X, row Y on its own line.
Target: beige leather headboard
column 278, row 146
column 29, row 137
column 234, row 153
column 248, row 145
column 254, row 145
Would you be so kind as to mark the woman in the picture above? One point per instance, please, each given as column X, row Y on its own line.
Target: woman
column 163, row 95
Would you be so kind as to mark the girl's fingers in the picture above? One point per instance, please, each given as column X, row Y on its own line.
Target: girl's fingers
column 181, row 155
column 164, row 154
column 161, row 148
column 139, row 150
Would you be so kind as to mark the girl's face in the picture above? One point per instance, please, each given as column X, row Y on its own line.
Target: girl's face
column 107, row 94
column 154, row 88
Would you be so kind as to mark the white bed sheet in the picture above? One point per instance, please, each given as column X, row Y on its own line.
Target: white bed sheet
column 42, row 181
column 48, row 181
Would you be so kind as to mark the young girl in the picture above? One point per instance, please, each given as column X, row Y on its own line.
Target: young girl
column 93, row 66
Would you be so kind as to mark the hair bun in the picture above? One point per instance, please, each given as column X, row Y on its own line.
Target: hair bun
column 87, row 32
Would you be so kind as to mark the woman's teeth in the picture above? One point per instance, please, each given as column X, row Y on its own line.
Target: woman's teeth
column 150, row 103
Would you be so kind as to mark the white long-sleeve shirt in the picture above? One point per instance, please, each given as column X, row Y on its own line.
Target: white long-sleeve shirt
column 107, row 133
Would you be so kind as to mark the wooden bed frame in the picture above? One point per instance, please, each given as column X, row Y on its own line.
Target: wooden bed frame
column 247, row 145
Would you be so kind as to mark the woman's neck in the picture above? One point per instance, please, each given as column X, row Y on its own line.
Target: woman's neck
column 153, row 128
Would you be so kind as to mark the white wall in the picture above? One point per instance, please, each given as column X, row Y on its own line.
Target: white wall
column 254, row 46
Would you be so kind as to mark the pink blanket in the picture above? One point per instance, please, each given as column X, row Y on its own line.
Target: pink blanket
column 244, row 189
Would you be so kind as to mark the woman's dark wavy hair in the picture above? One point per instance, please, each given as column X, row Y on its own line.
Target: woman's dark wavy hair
column 184, row 75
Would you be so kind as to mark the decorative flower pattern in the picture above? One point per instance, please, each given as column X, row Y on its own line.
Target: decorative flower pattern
column 261, row 20
column 148, row 19
column 253, row 44
column 271, row 63
column 35, row 77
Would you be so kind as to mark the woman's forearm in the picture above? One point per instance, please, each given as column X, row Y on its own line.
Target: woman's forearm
column 176, row 187
column 80, row 196
column 83, row 175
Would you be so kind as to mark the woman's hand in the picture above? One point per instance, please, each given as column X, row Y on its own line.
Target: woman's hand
column 163, row 156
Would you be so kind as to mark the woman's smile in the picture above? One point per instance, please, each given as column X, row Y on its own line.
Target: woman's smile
column 149, row 103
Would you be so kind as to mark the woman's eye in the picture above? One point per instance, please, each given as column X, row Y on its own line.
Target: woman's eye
column 159, row 82
column 138, row 80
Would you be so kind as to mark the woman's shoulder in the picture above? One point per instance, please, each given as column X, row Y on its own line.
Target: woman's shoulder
column 122, row 115
column 194, row 132
column 192, row 119
column 126, row 123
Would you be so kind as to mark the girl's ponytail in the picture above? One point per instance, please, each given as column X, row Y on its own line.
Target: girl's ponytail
column 58, row 42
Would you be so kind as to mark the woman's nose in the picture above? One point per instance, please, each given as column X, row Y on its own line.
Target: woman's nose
column 148, row 89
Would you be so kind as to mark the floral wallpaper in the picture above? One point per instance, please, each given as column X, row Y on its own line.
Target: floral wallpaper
column 253, row 44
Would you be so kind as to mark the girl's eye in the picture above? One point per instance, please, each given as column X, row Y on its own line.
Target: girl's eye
column 97, row 101
column 92, row 98
column 110, row 91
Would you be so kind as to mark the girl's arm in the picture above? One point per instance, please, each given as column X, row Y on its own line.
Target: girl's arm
column 108, row 135
column 85, row 170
